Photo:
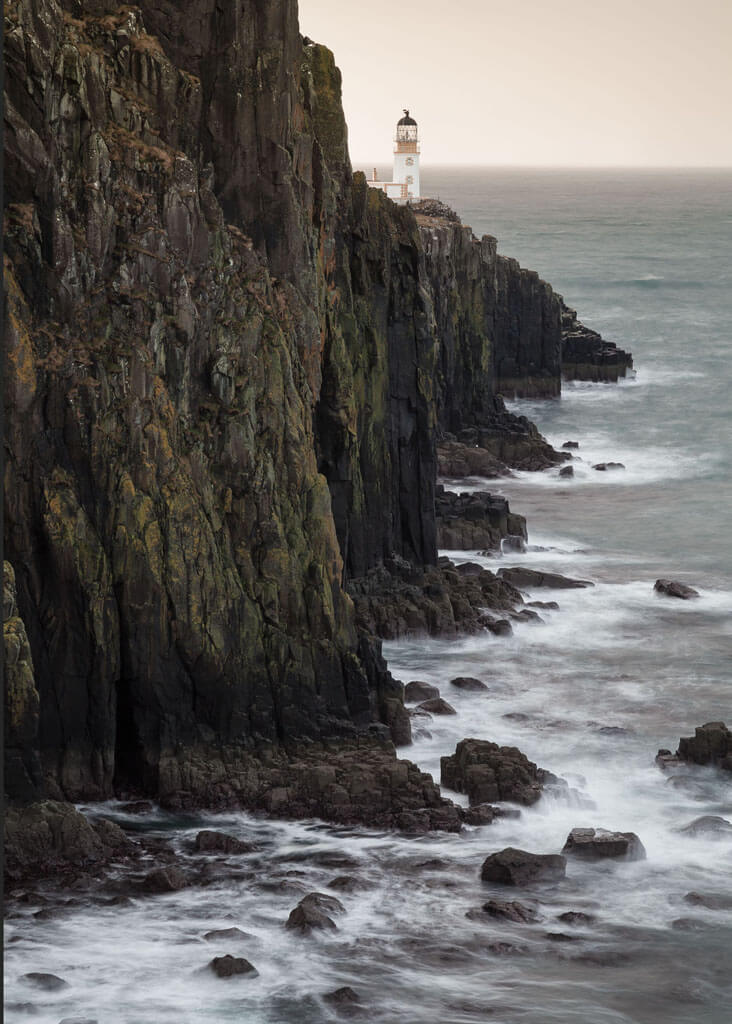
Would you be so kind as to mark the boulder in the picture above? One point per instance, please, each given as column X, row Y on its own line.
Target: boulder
column 672, row 588
column 168, row 879
column 47, row 982
column 599, row 843
column 226, row 934
column 604, row 466
column 511, row 911
column 499, row 627
column 232, row 966
column 518, row 867
column 528, row 579
column 571, row 444
column 416, row 690
column 468, row 683
column 437, row 706
column 488, row 772
column 344, row 998
column 708, row 824
column 480, row 814
column 208, row 841
column 311, row 913
column 710, row 744
column 710, row 900
column 575, row 917
column 566, row 471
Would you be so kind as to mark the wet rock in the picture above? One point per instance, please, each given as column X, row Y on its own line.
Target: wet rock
column 672, row 588
column 137, row 807
column 488, row 772
column 710, row 744
column 602, row 467
column 480, row 814
column 549, row 605
column 562, row 937
column 468, row 683
column 599, row 843
column 566, row 471
column 526, row 615
column 519, row 867
column 416, row 691
column 528, row 579
column 232, row 966
column 477, row 519
column 208, row 841
column 437, row 706
column 347, row 883
column 513, row 542
column 499, row 627
column 227, row 935
column 571, row 444
column 47, row 982
column 708, row 824
column 709, row 900
column 311, row 913
column 576, row 917
column 168, row 879
column 689, row 924
column 521, row 913
column 344, row 996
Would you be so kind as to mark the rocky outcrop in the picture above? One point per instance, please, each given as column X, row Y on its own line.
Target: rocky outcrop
column 519, row 867
column 599, row 844
column 22, row 763
column 528, row 579
column 587, row 356
column 475, row 520
column 672, row 588
column 710, row 744
column 489, row 772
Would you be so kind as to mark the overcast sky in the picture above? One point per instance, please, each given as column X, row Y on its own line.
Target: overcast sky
column 541, row 82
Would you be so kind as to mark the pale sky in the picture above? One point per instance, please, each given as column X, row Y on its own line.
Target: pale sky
column 535, row 82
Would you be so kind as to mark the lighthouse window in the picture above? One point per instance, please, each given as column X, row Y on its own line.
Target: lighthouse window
column 410, row 179
column 410, row 161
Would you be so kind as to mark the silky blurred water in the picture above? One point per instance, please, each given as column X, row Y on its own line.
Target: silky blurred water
column 589, row 693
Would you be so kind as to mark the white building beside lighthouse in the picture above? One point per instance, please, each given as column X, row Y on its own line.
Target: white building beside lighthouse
column 405, row 183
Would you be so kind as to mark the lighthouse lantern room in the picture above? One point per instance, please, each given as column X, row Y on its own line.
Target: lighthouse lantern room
column 405, row 183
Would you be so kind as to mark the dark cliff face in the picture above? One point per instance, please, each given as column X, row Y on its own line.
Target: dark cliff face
column 227, row 364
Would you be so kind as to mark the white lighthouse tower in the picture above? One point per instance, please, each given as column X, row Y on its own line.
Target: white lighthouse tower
column 405, row 184
column 406, row 155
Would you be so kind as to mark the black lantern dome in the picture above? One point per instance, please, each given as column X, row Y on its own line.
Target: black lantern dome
column 406, row 120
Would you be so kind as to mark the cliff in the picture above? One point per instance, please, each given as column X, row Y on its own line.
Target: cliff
column 228, row 365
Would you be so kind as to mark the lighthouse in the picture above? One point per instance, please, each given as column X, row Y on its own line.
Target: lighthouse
column 405, row 179
column 406, row 155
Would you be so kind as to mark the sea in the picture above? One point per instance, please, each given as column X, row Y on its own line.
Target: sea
column 591, row 692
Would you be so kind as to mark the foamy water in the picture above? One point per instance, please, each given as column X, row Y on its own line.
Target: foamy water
column 590, row 693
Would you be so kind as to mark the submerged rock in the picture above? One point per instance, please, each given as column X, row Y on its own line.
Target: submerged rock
column 488, row 772
column 599, row 843
column 208, row 841
column 311, row 913
column 511, row 911
column 708, row 824
column 230, row 934
column 232, row 966
column 604, row 466
column 571, row 444
column 672, row 588
column 480, row 814
column 416, row 690
column 566, row 471
column 519, row 867
column 710, row 900
column 437, row 706
column 168, row 879
column 528, row 579
column 344, row 996
column 575, row 917
column 468, row 683
column 47, row 982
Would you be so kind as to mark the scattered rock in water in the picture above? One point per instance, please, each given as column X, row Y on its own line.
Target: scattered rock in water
column 708, row 824
column 575, row 917
column 137, row 807
column 513, row 542
column 672, row 588
column 416, row 691
column 468, row 683
column 602, row 467
column 610, row 730
column 566, row 471
column 519, row 867
column 489, row 772
column 170, row 879
column 311, row 913
column 571, row 444
column 499, row 627
column 480, row 814
column 709, row 900
column 227, row 934
column 511, row 911
column 710, row 744
column 562, row 937
column 437, row 706
column 47, row 982
column 526, row 615
column 342, row 996
column 528, row 579
column 347, row 883
column 599, row 844
column 208, row 841
column 232, row 966
column 551, row 606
